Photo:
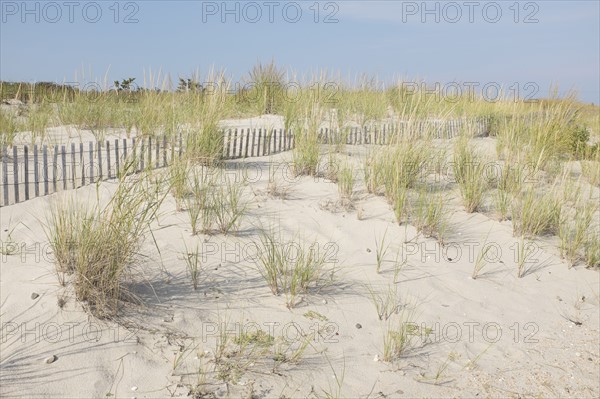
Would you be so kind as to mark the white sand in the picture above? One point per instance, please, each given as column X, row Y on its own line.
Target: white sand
column 515, row 337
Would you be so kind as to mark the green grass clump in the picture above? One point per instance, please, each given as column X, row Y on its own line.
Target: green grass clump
column 430, row 215
column 227, row 202
column 508, row 184
column 306, row 154
column 346, row 181
column 590, row 169
column 535, row 214
column 592, row 250
column 469, row 172
column 574, row 230
column 106, row 242
column 293, row 268
column 178, row 177
column 193, row 264
column 10, row 126
column 399, row 335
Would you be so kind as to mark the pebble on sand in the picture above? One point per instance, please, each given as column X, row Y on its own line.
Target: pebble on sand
column 51, row 359
column 34, row 295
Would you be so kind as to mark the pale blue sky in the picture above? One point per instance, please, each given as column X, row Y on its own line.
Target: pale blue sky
column 383, row 38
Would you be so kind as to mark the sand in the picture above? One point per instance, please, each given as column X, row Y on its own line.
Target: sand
column 497, row 336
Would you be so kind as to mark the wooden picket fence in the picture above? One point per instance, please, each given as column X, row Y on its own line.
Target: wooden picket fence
column 33, row 171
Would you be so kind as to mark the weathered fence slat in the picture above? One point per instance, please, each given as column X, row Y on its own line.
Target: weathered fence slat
column 36, row 171
column 247, row 143
column 26, row 170
column 235, row 135
column 45, row 170
column 164, row 150
column 125, row 164
column 180, row 144
column 16, row 174
column 108, row 172
column 54, row 168
column 100, row 171
column 142, row 154
column 281, row 136
column 239, row 155
column 91, row 155
column 258, row 143
column 63, row 158
column 82, row 164
column 266, row 139
column 253, row 142
column 117, row 160
column 73, row 165
column 157, row 155
column 228, row 146
column 149, row 153
column 5, row 173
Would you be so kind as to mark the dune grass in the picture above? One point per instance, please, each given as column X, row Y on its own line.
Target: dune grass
column 535, row 213
column 293, row 268
column 399, row 334
column 508, row 183
column 192, row 258
column 481, row 260
column 178, row 172
column 592, row 250
column 103, row 242
column 575, row 229
column 469, row 172
column 346, row 181
column 306, row 155
column 590, row 169
column 429, row 214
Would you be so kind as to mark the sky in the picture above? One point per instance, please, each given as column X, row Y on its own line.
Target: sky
column 525, row 47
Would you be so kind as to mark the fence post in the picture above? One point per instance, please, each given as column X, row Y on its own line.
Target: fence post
column 45, row 170
column 241, row 142
column 134, row 160
column 36, row 173
column 143, row 155
column 54, row 168
column 26, row 170
column 258, row 143
column 157, row 153
column 63, row 157
column 180, row 144
column 235, row 134
column 16, row 173
column 227, row 146
column 265, row 141
column 73, row 166
column 82, row 164
column 247, row 142
column 91, row 151
column 5, row 174
column 280, row 138
column 164, row 151
column 109, row 175
column 117, row 160
column 149, row 164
